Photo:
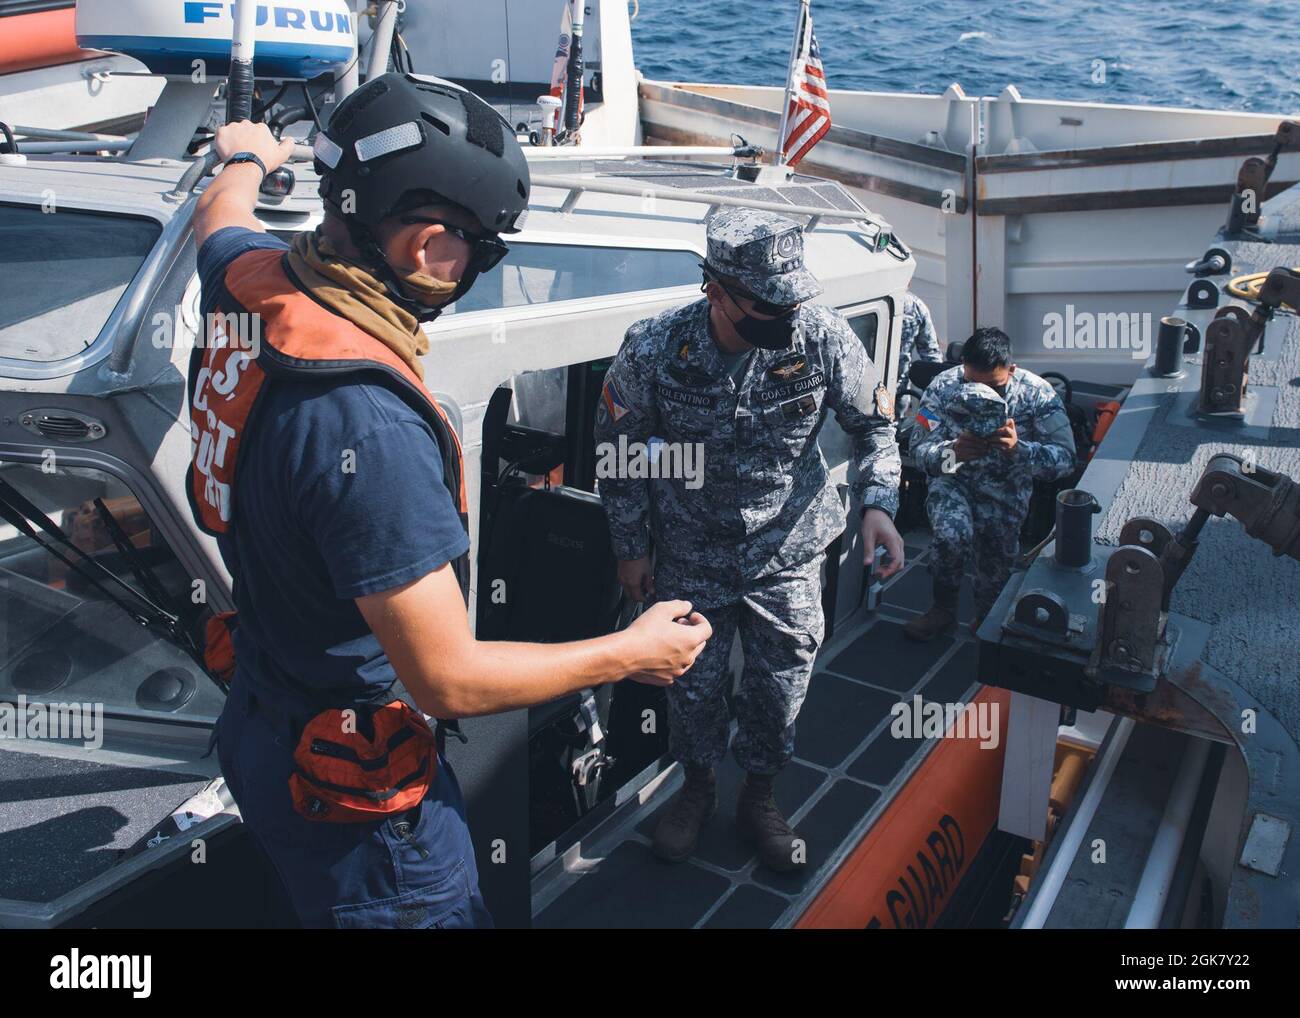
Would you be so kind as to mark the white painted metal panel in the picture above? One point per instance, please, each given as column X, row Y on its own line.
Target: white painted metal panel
column 1027, row 766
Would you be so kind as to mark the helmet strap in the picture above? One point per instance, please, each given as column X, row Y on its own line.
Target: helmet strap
column 374, row 257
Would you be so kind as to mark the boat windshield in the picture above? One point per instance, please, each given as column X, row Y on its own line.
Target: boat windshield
column 65, row 631
column 61, row 274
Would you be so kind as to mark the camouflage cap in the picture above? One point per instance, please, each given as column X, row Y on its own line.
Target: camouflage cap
column 980, row 409
column 763, row 252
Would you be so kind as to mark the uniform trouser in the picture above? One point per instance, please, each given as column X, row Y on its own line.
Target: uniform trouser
column 966, row 528
column 779, row 618
column 350, row 875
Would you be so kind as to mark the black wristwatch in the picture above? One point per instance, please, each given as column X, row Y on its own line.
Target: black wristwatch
column 248, row 157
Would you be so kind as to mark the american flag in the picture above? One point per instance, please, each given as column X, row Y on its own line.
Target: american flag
column 809, row 116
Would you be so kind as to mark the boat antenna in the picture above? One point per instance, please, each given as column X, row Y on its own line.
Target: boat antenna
column 573, row 84
column 239, row 84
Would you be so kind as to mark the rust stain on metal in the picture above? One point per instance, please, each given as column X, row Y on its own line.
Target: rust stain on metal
column 1171, row 706
column 1210, row 693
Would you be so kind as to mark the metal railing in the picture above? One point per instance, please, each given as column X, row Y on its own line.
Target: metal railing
column 881, row 233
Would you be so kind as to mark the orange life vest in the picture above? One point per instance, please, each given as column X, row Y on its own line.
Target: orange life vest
column 345, row 771
column 281, row 332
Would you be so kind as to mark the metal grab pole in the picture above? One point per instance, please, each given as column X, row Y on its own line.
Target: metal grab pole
column 381, row 43
column 789, row 81
column 239, row 84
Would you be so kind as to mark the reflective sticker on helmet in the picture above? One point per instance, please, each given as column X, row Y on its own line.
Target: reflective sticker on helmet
column 392, row 139
column 432, row 80
column 326, row 151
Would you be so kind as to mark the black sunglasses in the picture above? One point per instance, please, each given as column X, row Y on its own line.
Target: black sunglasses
column 760, row 305
column 485, row 250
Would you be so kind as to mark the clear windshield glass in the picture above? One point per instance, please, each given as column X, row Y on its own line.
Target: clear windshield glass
column 545, row 273
column 61, row 639
column 61, row 274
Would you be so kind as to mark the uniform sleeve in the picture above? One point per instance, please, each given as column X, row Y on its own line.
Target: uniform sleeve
column 222, row 248
column 920, row 341
column 852, row 386
column 627, row 410
column 935, row 434
column 1050, row 454
column 381, row 515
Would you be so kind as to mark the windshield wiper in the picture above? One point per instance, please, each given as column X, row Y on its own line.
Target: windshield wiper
column 139, row 567
column 22, row 513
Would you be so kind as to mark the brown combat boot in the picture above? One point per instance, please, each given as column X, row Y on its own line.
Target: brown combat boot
column 679, row 828
column 761, row 823
column 941, row 617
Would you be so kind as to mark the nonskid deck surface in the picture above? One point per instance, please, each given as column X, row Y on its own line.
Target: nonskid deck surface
column 66, row 817
column 1249, row 597
column 846, row 768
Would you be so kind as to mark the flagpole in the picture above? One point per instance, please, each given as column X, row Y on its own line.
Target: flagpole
column 789, row 82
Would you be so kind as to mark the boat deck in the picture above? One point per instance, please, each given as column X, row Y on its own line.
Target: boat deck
column 845, row 771
column 1242, row 602
column 68, row 815
column 1153, row 457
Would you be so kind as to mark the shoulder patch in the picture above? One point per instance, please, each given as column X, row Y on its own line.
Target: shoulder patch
column 884, row 402
column 614, row 401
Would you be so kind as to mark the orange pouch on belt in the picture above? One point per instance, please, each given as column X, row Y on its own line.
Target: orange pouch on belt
column 219, row 646
column 342, row 776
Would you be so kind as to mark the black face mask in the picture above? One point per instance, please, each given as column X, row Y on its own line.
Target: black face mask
column 766, row 333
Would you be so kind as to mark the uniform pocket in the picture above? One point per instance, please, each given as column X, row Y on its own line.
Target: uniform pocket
column 442, row 905
column 789, row 425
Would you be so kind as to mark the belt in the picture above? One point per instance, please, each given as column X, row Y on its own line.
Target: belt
column 289, row 723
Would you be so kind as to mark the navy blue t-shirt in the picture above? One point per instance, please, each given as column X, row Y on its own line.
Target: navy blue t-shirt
column 338, row 494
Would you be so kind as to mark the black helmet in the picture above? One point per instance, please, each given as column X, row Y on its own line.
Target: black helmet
column 401, row 135
column 403, row 140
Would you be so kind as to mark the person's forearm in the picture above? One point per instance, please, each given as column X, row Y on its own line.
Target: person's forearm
column 228, row 201
column 490, row 676
column 935, row 456
column 880, row 468
column 1047, row 461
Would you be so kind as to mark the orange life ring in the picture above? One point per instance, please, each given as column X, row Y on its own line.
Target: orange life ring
column 41, row 39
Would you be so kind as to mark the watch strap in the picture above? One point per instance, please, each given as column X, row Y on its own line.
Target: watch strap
column 248, row 157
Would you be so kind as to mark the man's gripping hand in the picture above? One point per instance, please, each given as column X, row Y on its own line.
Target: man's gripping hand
column 1005, row 439
column 230, row 200
column 970, row 447
column 247, row 136
column 878, row 529
column 665, row 641
column 637, row 579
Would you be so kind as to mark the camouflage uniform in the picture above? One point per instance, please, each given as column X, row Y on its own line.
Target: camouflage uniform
column 920, row 342
column 978, row 507
column 746, row 545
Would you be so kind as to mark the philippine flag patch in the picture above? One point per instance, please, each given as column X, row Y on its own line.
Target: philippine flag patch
column 614, row 401
column 926, row 419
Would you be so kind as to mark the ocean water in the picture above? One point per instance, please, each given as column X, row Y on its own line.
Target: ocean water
column 1207, row 54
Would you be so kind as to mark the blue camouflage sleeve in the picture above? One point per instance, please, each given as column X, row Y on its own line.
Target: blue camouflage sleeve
column 920, row 342
column 627, row 409
column 865, row 412
column 1049, row 451
column 935, row 433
